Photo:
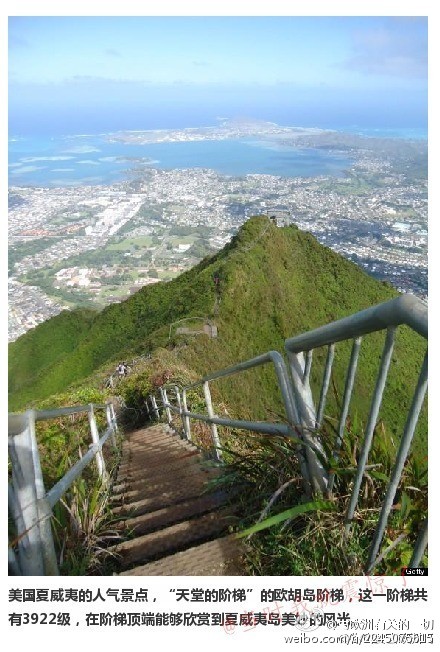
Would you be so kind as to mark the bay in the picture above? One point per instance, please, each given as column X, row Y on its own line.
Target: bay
column 94, row 160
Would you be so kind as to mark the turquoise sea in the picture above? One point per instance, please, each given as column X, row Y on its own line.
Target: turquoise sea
column 406, row 133
column 91, row 159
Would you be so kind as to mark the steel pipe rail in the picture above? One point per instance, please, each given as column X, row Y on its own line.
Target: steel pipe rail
column 17, row 419
column 299, row 403
column 314, row 476
column 270, row 357
column 54, row 494
column 406, row 309
column 262, row 427
column 419, row 548
column 266, row 358
column 276, row 429
column 29, row 504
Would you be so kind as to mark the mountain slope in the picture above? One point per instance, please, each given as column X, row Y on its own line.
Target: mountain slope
column 273, row 283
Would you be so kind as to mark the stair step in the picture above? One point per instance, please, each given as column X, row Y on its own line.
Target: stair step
column 154, row 448
column 147, row 462
column 172, row 514
column 191, row 489
column 172, row 538
column 133, row 492
column 222, row 556
column 144, row 437
column 172, row 448
column 138, row 478
column 161, row 498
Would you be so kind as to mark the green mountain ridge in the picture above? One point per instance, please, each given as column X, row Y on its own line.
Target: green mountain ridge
column 274, row 283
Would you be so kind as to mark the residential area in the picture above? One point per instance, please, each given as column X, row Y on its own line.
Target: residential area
column 91, row 245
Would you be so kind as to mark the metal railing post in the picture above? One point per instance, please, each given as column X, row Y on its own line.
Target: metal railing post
column 115, row 423
column 372, row 420
column 349, row 382
column 312, row 469
column 21, row 539
column 163, row 393
column 95, row 438
column 162, row 398
column 405, row 443
column 23, row 499
column 185, row 418
column 211, row 413
column 419, row 548
column 179, row 405
column 154, row 404
column 110, row 424
column 43, row 507
column 50, row 558
column 13, row 565
column 179, row 402
column 308, row 366
column 303, row 396
column 325, row 385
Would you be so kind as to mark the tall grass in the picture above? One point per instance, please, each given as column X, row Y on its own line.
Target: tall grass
column 84, row 528
column 289, row 534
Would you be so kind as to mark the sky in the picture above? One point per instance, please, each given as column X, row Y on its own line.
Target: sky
column 335, row 65
column 302, row 68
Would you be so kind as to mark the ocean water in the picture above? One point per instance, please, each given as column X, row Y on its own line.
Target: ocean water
column 42, row 155
column 406, row 133
column 91, row 159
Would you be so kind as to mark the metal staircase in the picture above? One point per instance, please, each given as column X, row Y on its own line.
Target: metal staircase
column 168, row 519
column 160, row 487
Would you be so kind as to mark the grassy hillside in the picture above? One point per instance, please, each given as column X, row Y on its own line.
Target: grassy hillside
column 41, row 348
column 274, row 283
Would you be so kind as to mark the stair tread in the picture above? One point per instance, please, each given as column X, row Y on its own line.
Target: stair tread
column 171, row 514
column 149, row 465
column 156, row 500
column 172, row 538
column 223, row 556
column 161, row 498
column 134, row 497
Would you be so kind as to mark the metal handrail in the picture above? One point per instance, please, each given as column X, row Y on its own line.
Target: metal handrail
column 41, row 415
column 54, row 494
column 29, row 503
column 305, row 421
column 312, row 471
column 405, row 309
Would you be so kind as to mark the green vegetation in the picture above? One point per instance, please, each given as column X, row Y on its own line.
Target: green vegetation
column 130, row 244
column 83, row 526
column 32, row 355
column 274, row 283
column 280, row 523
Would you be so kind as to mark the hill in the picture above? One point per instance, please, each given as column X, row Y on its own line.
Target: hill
column 273, row 283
